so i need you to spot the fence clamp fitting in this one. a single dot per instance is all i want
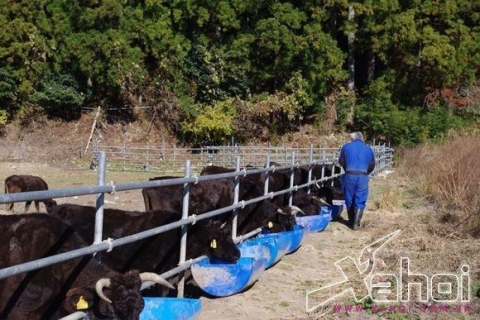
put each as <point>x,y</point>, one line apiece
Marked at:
<point>273,168</point>
<point>243,203</point>
<point>240,239</point>
<point>196,179</point>
<point>295,188</point>
<point>194,216</point>
<point>244,172</point>
<point>271,195</point>
<point>189,261</point>
<point>114,188</point>
<point>109,241</point>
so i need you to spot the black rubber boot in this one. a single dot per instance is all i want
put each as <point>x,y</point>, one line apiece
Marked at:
<point>351,215</point>
<point>357,218</point>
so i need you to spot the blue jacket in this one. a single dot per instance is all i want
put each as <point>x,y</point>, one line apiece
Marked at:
<point>357,158</point>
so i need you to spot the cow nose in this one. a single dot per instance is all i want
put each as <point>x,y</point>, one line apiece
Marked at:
<point>235,255</point>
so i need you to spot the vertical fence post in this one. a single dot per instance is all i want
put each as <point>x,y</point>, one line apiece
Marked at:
<point>385,161</point>
<point>100,201</point>
<point>323,172</point>
<point>292,177</point>
<point>183,240</point>
<point>235,199</point>
<point>334,167</point>
<point>267,175</point>
<point>310,168</point>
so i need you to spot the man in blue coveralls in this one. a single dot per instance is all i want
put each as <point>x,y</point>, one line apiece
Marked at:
<point>358,161</point>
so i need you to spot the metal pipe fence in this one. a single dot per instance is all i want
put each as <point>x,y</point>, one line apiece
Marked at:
<point>384,157</point>
<point>163,159</point>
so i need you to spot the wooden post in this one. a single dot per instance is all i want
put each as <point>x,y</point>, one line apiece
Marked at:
<point>93,128</point>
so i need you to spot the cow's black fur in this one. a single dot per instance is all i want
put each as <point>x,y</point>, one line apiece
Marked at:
<point>309,203</point>
<point>158,253</point>
<point>53,292</point>
<point>210,195</point>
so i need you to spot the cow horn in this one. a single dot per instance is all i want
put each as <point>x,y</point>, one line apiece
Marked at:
<point>223,225</point>
<point>104,282</point>
<point>316,183</point>
<point>151,276</point>
<point>280,210</point>
<point>321,200</point>
<point>296,209</point>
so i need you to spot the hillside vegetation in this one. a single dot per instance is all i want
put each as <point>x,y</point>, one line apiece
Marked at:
<point>211,71</point>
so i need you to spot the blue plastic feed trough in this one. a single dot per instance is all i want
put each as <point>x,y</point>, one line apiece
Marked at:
<point>337,208</point>
<point>289,241</point>
<point>282,241</point>
<point>171,309</point>
<point>221,279</point>
<point>260,248</point>
<point>315,223</point>
<point>297,235</point>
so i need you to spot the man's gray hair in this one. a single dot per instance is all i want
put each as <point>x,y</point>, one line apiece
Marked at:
<point>356,135</point>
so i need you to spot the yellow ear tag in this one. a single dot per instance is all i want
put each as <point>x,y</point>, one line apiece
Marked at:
<point>82,304</point>
<point>270,224</point>
<point>213,244</point>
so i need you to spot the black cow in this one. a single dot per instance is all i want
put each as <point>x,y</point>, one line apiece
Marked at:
<point>335,184</point>
<point>204,196</point>
<point>308,203</point>
<point>63,288</point>
<point>210,195</point>
<point>252,186</point>
<point>158,253</point>
<point>277,180</point>
<point>25,183</point>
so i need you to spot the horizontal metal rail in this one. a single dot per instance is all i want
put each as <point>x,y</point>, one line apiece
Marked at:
<point>384,159</point>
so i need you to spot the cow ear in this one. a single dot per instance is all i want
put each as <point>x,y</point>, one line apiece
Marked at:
<point>221,227</point>
<point>79,299</point>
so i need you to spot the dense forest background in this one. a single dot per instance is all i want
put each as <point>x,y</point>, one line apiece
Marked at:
<point>402,71</point>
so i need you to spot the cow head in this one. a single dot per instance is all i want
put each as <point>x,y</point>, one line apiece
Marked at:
<point>324,195</point>
<point>220,242</point>
<point>124,301</point>
<point>284,219</point>
<point>49,205</point>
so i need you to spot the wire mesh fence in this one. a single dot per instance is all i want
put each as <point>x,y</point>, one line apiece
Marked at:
<point>172,160</point>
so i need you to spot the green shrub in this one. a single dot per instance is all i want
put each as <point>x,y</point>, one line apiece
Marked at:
<point>59,97</point>
<point>209,124</point>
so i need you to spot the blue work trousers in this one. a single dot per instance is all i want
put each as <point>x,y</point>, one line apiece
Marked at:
<point>355,190</point>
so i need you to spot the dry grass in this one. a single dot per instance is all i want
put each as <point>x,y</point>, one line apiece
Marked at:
<point>433,244</point>
<point>445,179</point>
<point>448,175</point>
<point>389,200</point>
<point>431,250</point>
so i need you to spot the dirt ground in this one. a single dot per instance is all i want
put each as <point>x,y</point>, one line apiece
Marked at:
<point>280,293</point>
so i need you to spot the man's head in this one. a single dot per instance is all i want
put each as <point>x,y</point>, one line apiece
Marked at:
<point>356,135</point>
